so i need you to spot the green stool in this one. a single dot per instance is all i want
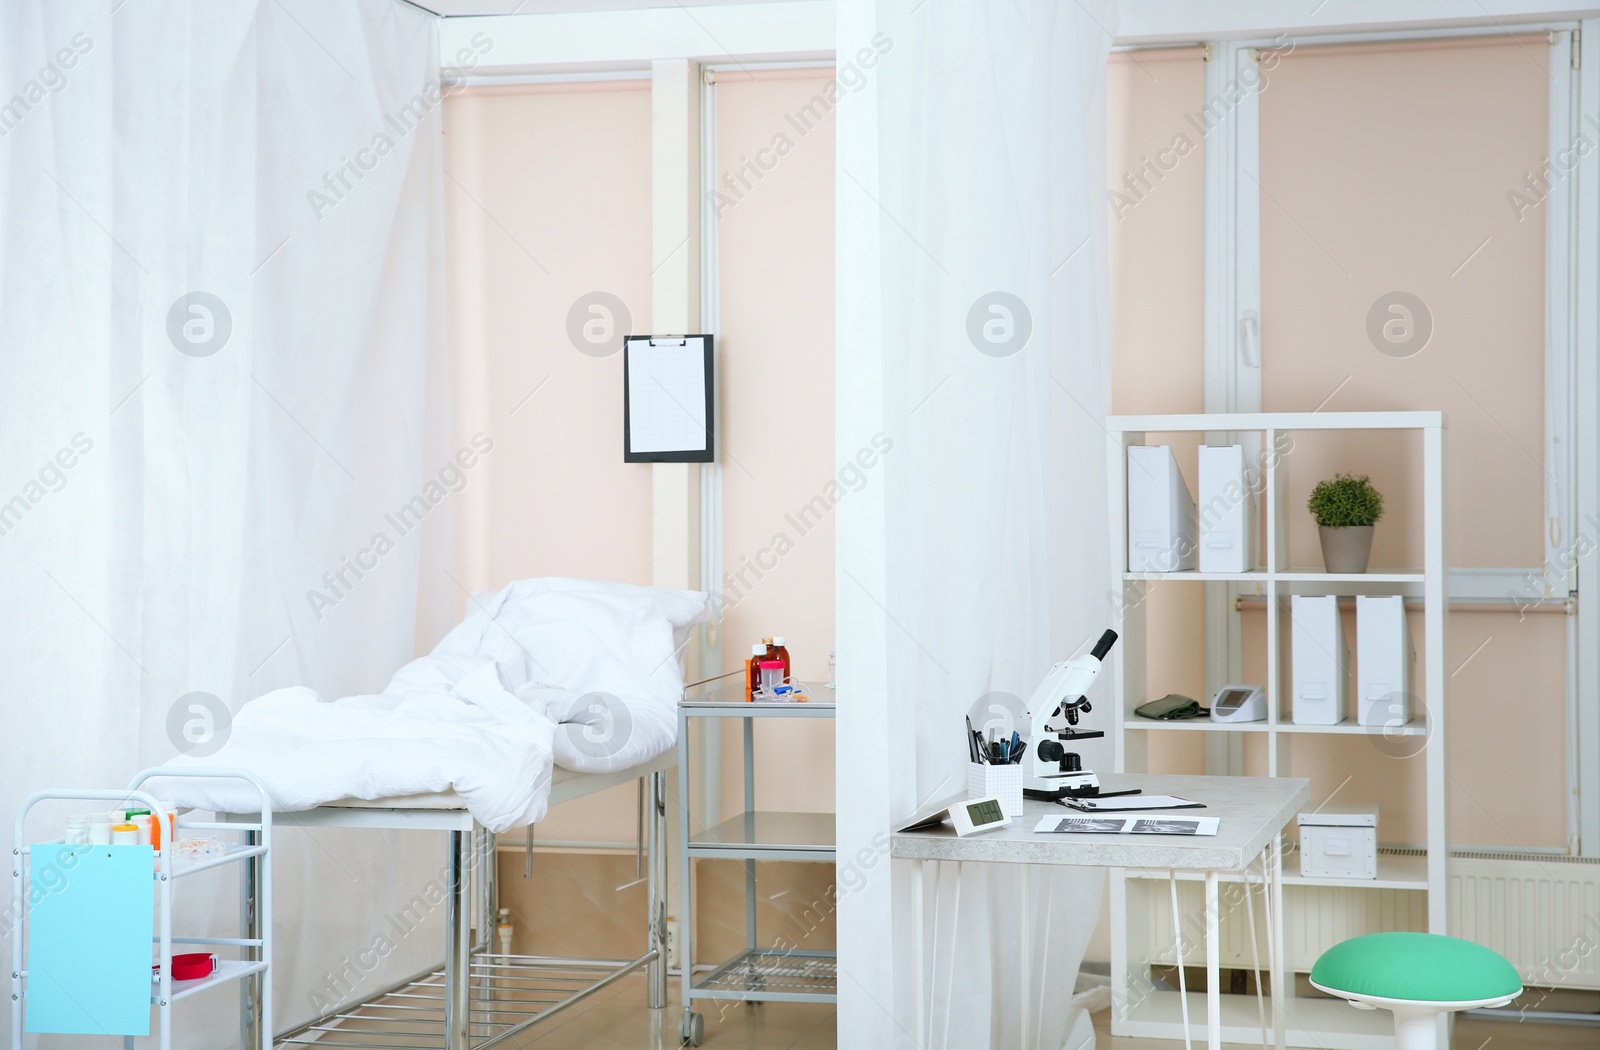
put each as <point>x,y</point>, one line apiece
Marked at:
<point>1417,977</point>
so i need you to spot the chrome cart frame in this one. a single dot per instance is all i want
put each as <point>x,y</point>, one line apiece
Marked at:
<point>252,970</point>
<point>478,998</point>
<point>757,974</point>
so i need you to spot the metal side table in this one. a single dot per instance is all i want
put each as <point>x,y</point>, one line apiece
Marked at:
<point>756,974</point>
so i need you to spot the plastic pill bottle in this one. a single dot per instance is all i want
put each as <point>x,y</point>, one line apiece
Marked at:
<point>77,829</point>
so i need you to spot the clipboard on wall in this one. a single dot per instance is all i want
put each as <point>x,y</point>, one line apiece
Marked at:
<point>668,408</point>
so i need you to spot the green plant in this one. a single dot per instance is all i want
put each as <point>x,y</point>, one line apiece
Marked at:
<point>1345,500</point>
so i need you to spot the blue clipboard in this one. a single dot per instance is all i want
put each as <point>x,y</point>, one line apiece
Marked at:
<point>91,910</point>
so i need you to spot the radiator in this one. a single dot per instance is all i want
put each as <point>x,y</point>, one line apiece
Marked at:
<point>1542,913</point>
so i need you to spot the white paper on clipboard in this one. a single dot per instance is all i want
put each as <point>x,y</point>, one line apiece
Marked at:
<point>667,395</point>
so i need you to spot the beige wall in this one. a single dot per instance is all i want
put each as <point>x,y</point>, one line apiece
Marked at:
<point>1383,169</point>
<point>547,198</point>
<point>775,179</point>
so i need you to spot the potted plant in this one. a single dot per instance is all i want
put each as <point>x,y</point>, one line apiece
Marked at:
<point>1346,506</point>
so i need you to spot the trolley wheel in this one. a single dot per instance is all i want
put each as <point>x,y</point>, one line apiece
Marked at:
<point>692,1028</point>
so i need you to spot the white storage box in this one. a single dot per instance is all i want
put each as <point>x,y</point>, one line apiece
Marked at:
<point>1161,515</point>
<point>1340,842</point>
<point>1321,660</point>
<point>1002,782</point>
<point>1226,521</point>
<point>1384,659</point>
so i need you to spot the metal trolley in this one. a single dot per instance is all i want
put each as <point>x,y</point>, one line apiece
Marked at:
<point>757,974</point>
<point>252,969</point>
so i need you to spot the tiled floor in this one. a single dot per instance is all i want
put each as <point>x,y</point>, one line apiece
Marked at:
<point>617,1019</point>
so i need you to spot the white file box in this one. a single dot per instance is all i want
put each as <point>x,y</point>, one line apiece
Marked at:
<point>1321,660</point>
<point>1161,517</point>
<point>1384,661</point>
<point>1226,519</point>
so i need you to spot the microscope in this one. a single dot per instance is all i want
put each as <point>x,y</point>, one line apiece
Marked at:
<point>1054,772</point>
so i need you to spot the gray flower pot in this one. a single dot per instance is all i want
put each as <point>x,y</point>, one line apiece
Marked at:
<point>1345,549</point>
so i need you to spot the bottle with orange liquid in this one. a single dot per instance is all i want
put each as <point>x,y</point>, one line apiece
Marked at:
<point>752,670</point>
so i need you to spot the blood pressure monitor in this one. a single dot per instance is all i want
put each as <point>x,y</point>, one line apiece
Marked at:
<point>1239,703</point>
<point>968,818</point>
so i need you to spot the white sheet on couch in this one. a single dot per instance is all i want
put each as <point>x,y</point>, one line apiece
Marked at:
<point>584,673</point>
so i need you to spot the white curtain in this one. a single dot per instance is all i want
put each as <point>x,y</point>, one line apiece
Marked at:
<point>971,188</point>
<point>221,366</point>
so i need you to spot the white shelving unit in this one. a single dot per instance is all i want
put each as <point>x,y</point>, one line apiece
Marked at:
<point>251,972</point>
<point>1140,1009</point>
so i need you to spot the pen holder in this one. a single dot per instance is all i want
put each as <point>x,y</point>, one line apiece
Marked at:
<point>1002,782</point>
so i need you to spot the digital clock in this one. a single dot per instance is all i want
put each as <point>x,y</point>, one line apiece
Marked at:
<point>968,818</point>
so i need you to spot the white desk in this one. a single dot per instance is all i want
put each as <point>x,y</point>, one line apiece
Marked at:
<point>1252,812</point>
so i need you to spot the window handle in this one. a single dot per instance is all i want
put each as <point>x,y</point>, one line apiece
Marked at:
<point>1250,338</point>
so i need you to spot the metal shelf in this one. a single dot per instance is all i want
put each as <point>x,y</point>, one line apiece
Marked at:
<point>744,709</point>
<point>761,835</point>
<point>772,976</point>
<point>756,974</point>
<point>182,867</point>
<point>228,971</point>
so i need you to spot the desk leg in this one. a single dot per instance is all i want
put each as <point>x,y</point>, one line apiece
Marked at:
<point>1213,966</point>
<point>1027,957</point>
<point>458,946</point>
<point>950,981</point>
<point>919,920</point>
<point>933,951</point>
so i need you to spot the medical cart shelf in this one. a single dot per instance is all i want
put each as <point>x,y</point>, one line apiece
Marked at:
<point>755,974</point>
<point>1137,897</point>
<point>228,971</point>
<point>787,976</point>
<point>763,835</point>
<point>184,868</point>
<point>251,974</point>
